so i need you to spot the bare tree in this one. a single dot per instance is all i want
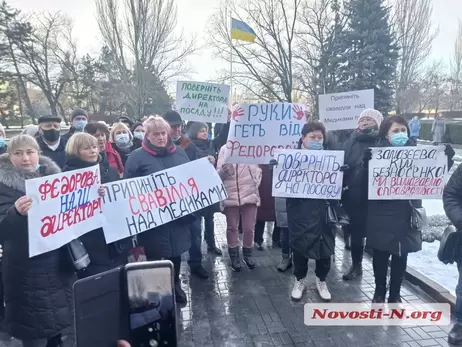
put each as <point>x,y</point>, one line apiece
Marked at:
<point>434,88</point>
<point>455,97</point>
<point>415,35</point>
<point>141,36</point>
<point>47,59</point>
<point>264,68</point>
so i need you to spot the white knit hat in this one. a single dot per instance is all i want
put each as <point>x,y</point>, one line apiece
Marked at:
<point>371,113</point>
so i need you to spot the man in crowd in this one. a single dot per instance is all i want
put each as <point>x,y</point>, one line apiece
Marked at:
<point>195,255</point>
<point>79,118</point>
<point>50,140</point>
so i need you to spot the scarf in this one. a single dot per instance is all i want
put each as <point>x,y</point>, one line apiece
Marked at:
<point>159,151</point>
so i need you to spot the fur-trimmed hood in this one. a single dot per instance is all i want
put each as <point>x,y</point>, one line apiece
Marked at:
<point>16,179</point>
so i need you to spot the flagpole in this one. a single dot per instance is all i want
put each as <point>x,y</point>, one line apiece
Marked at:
<point>231,56</point>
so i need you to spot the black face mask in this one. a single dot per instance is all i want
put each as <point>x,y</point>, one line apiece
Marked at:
<point>51,135</point>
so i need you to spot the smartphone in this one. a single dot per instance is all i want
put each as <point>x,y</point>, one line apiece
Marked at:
<point>151,304</point>
<point>97,302</point>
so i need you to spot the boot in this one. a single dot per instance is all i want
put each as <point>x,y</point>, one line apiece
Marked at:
<point>379,294</point>
<point>356,268</point>
<point>455,335</point>
<point>248,260</point>
<point>396,279</point>
<point>235,261</point>
<point>285,264</point>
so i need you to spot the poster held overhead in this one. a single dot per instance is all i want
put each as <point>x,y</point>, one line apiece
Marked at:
<point>340,111</point>
<point>202,101</point>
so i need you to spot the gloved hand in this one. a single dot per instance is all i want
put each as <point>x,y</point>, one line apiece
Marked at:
<point>367,155</point>
<point>344,168</point>
<point>449,151</point>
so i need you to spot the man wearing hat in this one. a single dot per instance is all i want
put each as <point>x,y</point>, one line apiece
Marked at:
<point>50,141</point>
<point>176,133</point>
<point>79,118</point>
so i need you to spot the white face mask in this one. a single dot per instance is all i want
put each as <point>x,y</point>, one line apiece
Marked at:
<point>122,139</point>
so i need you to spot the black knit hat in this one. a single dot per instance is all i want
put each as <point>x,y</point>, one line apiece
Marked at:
<point>78,112</point>
<point>49,118</point>
<point>173,118</point>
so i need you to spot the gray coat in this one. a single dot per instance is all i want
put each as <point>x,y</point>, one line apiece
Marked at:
<point>281,212</point>
<point>171,239</point>
<point>438,130</point>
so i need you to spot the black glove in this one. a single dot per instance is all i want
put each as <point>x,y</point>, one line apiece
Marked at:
<point>273,162</point>
<point>367,155</point>
<point>344,168</point>
<point>449,151</point>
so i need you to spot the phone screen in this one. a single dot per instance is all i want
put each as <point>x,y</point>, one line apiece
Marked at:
<point>151,307</point>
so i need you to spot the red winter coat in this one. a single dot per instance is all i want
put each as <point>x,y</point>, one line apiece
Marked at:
<point>114,159</point>
<point>266,211</point>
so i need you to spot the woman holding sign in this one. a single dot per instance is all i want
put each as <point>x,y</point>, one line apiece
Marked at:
<point>38,290</point>
<point>389,229</point>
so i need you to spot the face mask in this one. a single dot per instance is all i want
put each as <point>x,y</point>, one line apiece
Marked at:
<point>139,135</point>
<point>122,139</point>
<point>368,130</point>
<point>80,124</point>
<point>399,139</point>
<point>314,145</point>
<point>33,169</point>
<point>51,135</point>
<point>2,142</point>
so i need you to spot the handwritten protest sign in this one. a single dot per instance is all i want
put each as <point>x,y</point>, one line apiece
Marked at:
<point>202,102</point>
<point>406,173</point>
<point>257,130</point>
<point>64,207</point>
<point>308,174</point>
<point>135,205</point>
<point>341,110</point>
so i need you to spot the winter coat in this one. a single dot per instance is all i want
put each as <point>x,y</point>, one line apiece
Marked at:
<point>123,154</point>
<point>266,212</point>
<point>242,187</point>
<point>310,235</point>
<point>103,257</point>
<point>204,148</point>
<point>452,198</point>
<point>389,221</point>
<point>68,135</point>
<point>438,130</point>
<point>414,127</point>
<point>38,290</point>
<point>354,196</point>
<point>3,149</point>
<point>58,155</point>
<point>281,212</point>
<point>114,159</point>
<point>171,239</point>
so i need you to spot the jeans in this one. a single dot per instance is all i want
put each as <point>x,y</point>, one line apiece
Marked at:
<point>458,312</point>
<point>285,241</point>
<point>301,266</point>
<point>195,254</point>
<point>248,214</point>
<point>209,230</point>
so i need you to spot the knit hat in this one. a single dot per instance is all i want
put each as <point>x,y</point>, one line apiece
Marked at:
<point>30,130</point>
<point>78,112</point>
<point>371,113</point>
<point>135,125</point>
<point>195,128</point>
<point>173,118</point>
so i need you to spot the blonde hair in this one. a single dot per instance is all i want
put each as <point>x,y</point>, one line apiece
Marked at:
<point>116,127</point>
<point>154,122</point>
<point>22,141</point>
<point>78,141</point>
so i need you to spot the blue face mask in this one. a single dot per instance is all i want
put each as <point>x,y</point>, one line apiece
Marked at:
<point>34,169</point>
<point>80,124</point>
<point>399,139</point>
<point>122,139</point>
<point>2,142</point>
<point>314,145</point>
<point>139,135</point>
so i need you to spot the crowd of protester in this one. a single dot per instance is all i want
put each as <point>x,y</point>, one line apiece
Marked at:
<point>38,306</point>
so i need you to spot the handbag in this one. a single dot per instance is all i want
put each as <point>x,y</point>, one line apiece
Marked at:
<point>419,220</point>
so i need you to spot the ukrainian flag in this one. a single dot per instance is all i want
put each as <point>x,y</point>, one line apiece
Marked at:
<point>241,31</point>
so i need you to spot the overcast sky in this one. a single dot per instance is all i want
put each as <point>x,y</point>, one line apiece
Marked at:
<point>193,16</point>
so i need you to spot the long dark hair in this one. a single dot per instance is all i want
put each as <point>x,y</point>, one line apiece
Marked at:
<point>388,121</point>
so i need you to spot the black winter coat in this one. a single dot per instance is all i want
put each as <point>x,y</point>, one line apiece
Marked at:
<point>204,148</point>
<point>389,221</point>
<point>355,197</point>
<point>3,149</point>
<point>171,239</point>
<point>452,198</point>
<point>38,290</point>
<point>103,257</point>
<point>58,155</point>
<point>310,235</point>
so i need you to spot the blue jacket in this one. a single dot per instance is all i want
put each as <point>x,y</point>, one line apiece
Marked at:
<point>414,127</point>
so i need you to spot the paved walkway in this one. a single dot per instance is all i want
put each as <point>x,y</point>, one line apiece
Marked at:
<point>253,308</point>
